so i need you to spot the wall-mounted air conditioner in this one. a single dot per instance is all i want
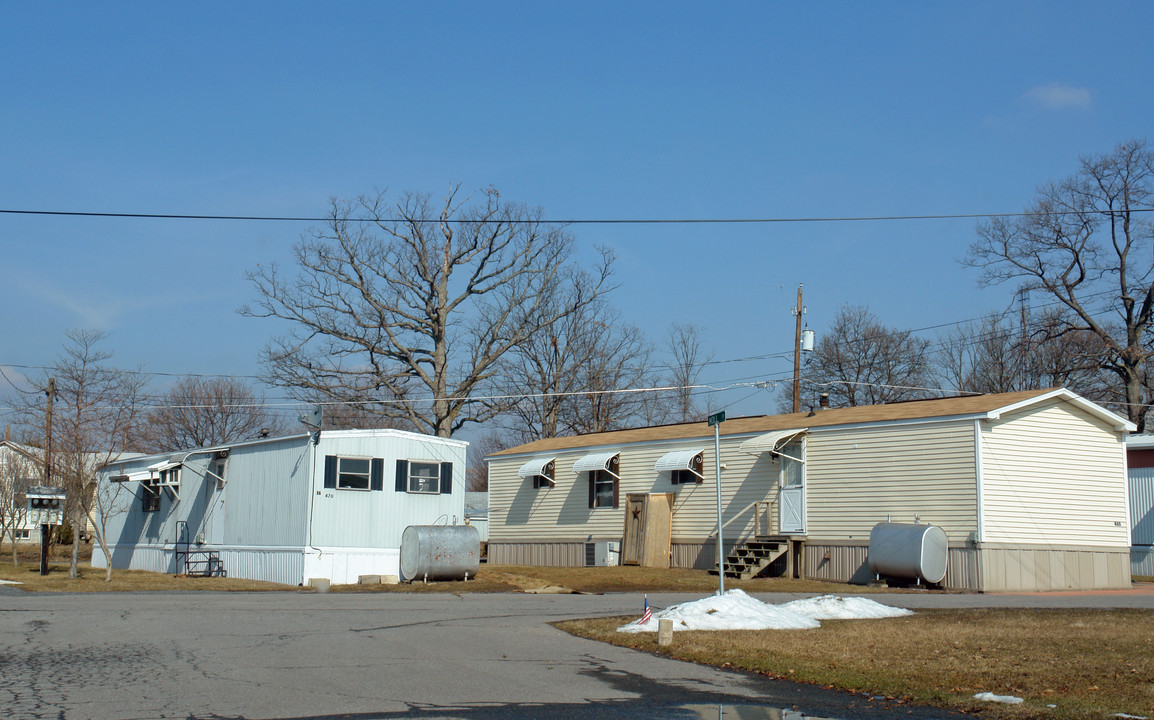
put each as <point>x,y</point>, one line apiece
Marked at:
<point>602,554</point>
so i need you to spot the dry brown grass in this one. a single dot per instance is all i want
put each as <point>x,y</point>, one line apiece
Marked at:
<point>1088,663</point>
<point>92,580</point>
<point>507,578</point>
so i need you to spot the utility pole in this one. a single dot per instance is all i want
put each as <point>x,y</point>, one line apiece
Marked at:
<point>48,433</point>
<point>45,528</point>
<point>798,312</point>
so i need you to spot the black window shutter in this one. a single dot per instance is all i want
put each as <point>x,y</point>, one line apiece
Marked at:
<point>616,487</point>
<point>699,466</point>
<point>592,488</point>
<point>377,474</point>
<point>446,478</point>
<point>402,476</point>
<point>330,471</point>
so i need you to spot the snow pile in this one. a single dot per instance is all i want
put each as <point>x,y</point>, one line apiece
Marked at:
<point>990,697</point>
<point>10,582</point>
<point>832,607</point>
<point>737,611</point>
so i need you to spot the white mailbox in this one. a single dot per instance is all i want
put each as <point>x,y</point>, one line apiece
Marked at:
<point>45,505</point>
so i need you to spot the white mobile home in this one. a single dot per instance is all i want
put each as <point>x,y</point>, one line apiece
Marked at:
<point>1028,487</point>
<point>285,509</point>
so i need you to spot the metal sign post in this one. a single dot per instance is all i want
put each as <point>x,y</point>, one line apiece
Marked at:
<point>715,420</point>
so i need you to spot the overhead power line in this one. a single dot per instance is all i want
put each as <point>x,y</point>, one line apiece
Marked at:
<point>573,221</point>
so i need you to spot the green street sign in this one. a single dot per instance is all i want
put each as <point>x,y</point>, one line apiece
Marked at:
<point>717,418</point>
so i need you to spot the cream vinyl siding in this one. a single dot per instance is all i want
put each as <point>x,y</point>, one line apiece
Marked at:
<point>520,513</point>
<point>856,478</point>
<point>1053,474</point>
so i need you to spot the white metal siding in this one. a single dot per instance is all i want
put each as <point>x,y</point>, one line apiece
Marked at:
<point>860,477</point>
<point>366,519</point>
<point>1054,474</point>
<point>1142,506</point>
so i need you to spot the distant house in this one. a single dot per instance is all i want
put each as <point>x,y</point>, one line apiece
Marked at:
<point>1029,488</point>
<point>285,509</point>
<point>1140,461</point>
<point>21,468</point>
<point>477,512</point>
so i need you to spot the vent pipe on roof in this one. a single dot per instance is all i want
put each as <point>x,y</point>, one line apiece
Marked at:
<point>823,401</point>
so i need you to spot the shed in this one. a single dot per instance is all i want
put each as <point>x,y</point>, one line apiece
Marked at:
<point>1029,487</point>
<point>328,506</point>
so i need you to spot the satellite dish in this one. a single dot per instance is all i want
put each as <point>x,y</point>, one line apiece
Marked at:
<point>312,419</point>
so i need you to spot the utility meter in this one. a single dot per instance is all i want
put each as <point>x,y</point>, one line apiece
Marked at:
<point>45,505</point>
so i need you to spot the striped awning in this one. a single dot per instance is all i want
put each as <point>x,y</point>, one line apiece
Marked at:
<point>680,460</point>
<point>537,466</point>
<point>771,442</point>
<point>597,461</point>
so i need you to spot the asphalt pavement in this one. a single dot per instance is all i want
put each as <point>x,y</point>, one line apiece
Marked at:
<point>333,655</point>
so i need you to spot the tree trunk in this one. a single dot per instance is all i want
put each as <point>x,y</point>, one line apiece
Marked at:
<point>75,561</point>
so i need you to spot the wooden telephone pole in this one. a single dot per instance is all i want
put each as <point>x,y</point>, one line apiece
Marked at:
<point>48,432</point>
<point>798,312</point>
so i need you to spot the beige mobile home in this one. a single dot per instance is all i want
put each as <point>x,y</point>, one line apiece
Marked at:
<point>1028,487</point>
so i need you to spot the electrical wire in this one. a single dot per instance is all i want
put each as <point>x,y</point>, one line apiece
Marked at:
<point>574,221</point>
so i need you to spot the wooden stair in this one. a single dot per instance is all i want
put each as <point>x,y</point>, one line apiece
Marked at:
<point>751,558</point>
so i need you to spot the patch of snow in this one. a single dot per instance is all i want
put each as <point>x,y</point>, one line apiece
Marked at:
<point>737,611</point>
<point>833,607</point>
<point>10,582</point>
<point>1136,717</point>
<point>990,697</point>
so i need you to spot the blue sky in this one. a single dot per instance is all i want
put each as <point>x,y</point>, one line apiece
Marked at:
<point>589,110</point>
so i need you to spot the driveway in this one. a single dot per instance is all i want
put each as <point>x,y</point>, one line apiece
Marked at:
<point>298,655</point>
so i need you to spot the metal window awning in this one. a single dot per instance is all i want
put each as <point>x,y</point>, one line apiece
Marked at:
<point>772,442</point>
<point>679,460</point>
<point>537,466</point>
<point>132,477</point>
<point>597,461</point>
<point>164,465</point>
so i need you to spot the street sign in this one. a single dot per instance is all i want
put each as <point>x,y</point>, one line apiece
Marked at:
<point>716,418</point>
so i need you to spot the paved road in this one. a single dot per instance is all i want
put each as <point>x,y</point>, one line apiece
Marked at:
<point>298,655</point>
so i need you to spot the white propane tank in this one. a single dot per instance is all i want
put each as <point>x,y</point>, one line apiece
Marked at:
<point>908,551</point>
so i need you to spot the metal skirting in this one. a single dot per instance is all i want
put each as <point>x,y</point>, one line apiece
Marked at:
<point>701,556</point>
<point>1002,569</point>
<point>1142,560</point>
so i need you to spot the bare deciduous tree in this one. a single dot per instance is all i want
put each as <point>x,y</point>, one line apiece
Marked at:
<point>688,360</point>
<point>859,361</point>
<point>412,304</point>
<point>568,378</point>
<point>1084,239</point>
<point>94,420</point>
<point>994,355</point>
<point>477,476</point>
<point>201,412</point>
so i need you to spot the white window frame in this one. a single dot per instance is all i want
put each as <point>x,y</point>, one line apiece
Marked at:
<point>414,480</point>
<point>341,473</point>
<point>600,478</point>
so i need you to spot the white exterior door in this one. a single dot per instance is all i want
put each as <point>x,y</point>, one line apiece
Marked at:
<point>214,506</point>
<point>791,497</point>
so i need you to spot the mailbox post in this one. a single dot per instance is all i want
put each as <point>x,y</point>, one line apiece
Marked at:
<point>45,508</point>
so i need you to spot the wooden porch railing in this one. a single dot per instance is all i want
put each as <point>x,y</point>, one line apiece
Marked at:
<point>762,518</point>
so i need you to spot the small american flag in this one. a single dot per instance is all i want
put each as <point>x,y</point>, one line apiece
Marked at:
<point>648,614</point>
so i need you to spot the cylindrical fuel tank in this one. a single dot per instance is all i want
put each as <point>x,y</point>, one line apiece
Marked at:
<point>439,552</point>
<point>909,551</point>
